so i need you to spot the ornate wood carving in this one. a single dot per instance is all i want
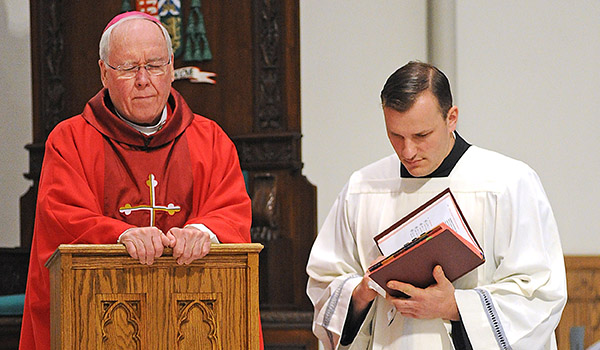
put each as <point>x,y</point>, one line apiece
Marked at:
<point>265,208</point>
<point>268,104</point>
<point>269,151</point>
<point>122,321</point>
<point>197,319</point>
<point>52,70</point>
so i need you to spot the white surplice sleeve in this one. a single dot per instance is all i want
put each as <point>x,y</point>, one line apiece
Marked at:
<point>334,271</point>
<point>519,304</point>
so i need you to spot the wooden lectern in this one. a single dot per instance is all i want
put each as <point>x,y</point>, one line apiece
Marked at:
<point>101,298</point>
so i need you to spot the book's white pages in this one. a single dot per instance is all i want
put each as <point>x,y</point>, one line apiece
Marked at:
<point>442,210</point>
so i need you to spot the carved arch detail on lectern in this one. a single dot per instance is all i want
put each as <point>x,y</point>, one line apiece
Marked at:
<point>197,321</point>
<point>121,321</point>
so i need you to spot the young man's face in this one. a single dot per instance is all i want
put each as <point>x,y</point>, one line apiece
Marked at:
<point>421,137</point>
<point>141,98</point>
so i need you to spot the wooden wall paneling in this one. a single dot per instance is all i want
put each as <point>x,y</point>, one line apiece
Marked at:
<point>583,305</point>
<point>274,148</point>
<point>283,261</point>
<point>300,338</point>
<point>291,63</point>
<point>230,101</point>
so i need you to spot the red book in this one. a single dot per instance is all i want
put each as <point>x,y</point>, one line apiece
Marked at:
<point>457,252</point>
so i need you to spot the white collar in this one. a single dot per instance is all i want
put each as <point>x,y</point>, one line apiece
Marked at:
<point>146,130</point>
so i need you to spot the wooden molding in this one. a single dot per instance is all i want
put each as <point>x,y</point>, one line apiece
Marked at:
<point>269,151</point>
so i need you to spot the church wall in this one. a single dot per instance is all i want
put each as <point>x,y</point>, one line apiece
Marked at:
<point>527,86</point>
<point>348,49</point>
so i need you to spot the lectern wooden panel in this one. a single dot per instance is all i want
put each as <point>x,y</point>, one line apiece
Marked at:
<point>101,298</point>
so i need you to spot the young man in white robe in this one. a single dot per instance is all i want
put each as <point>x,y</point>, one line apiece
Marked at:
<point>513,301</point>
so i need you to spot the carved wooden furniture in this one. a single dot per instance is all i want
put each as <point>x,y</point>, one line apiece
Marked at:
<point>101,298</point>
<point>583,305</point>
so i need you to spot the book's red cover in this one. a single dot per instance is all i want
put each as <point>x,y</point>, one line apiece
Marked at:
<point>414,263</point>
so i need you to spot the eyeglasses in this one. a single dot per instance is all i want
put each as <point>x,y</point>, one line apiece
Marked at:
<point>128,71</point>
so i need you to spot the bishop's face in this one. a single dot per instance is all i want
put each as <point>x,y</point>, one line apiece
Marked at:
<point>141,98</point>
<point>421,137</point>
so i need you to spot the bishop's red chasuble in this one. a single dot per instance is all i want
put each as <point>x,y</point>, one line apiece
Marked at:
<point>101,177</point>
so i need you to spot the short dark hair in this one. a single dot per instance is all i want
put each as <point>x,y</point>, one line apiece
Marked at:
<point>406,84</point>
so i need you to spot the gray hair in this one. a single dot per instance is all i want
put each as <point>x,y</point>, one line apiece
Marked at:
<point>105,40</point>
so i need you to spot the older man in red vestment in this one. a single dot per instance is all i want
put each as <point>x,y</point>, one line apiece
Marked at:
<point>137,167</point>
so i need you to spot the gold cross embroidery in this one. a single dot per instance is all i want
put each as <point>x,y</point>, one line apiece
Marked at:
<point>171,208</point>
